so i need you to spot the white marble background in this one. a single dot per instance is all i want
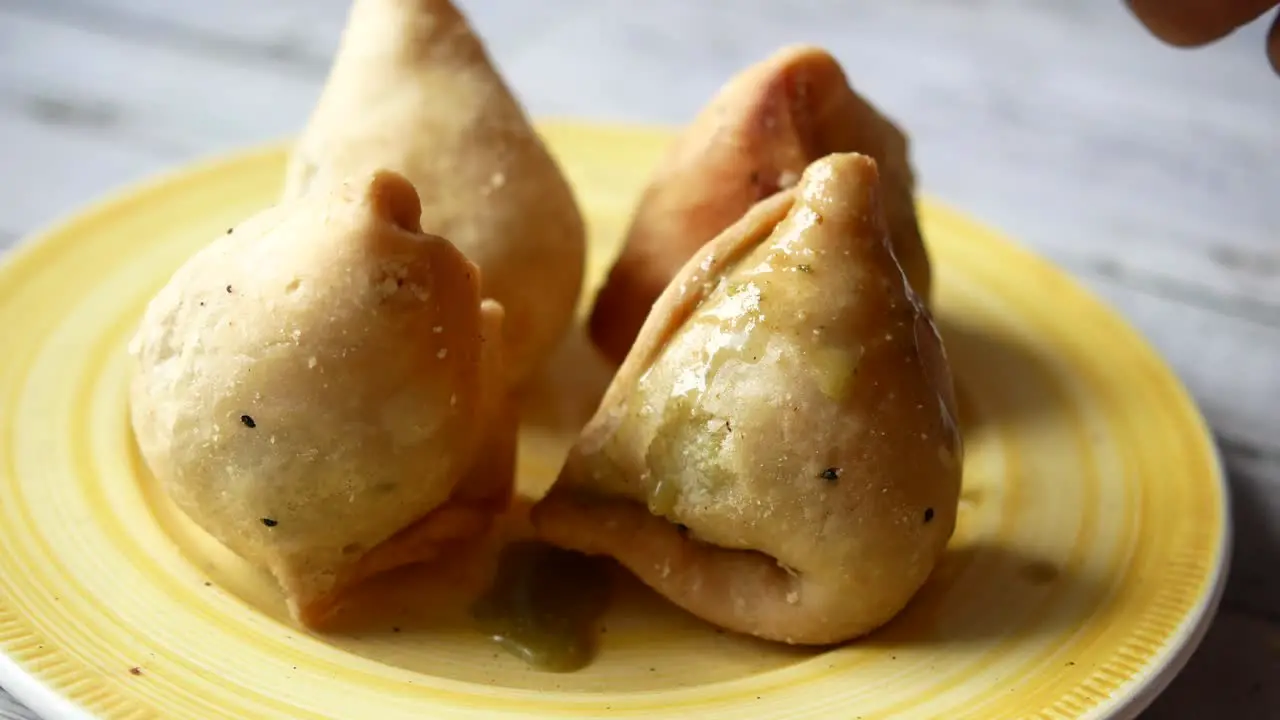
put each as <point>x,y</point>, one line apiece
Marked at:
<point>1153,174</point>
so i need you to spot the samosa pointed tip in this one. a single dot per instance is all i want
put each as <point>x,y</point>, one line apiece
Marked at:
<point>394,199</point>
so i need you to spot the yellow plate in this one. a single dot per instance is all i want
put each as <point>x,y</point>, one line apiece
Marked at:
<point>1089,556</point>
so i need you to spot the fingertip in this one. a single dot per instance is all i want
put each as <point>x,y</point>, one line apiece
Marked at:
<point>1195,23</point>
<point>1171,25</point>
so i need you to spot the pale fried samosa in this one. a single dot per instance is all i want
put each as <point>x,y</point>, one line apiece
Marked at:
<point>412,89</point>
<point>321,390</point>
<point>753,139</point>
<point>778,454</point>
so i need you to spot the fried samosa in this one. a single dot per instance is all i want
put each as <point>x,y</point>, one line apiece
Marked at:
<point>753,139</point>
<point>778,454</point>
<point>412,89</point>
<point>321,390</point>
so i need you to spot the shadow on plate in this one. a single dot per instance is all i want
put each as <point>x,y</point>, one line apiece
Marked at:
<point>999,381</point>
<point>983,592</point>
<point>978,593</point>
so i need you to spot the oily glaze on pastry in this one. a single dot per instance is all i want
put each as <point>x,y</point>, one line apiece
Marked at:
<point>412,89</point>
<point>321,390</point>
<point>753,139</point>
<point>778,453</point>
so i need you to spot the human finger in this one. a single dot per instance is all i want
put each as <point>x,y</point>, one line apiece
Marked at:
<point>1190,23</point>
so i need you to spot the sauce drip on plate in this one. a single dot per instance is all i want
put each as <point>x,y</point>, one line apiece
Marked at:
<point>545,605</point>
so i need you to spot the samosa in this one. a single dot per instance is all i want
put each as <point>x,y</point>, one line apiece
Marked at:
<point>412,89</point>
<point>778,454</point>
<point>753,139</point>
<point>321,390</point>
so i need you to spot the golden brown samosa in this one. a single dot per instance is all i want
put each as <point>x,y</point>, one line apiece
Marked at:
<point>412,89</point>
<point>321,390</point>
<point>753,139</point>
<point>778,454</point>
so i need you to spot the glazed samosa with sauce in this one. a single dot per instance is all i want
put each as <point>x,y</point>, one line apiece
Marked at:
<point>412,89</point>
<point>321,390</point>
<point>778,454</point>
<point>753,139</point>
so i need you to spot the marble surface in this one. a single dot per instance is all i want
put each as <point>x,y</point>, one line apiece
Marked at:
<point>1148,172</point>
